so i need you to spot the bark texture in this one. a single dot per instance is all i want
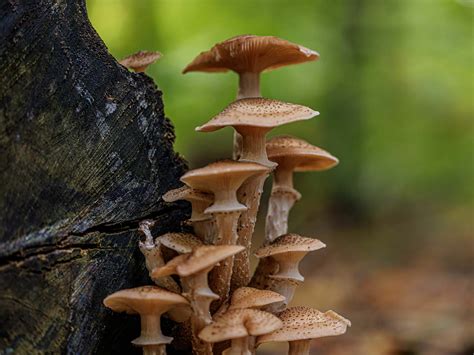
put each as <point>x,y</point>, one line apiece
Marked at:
<point>85,153</point>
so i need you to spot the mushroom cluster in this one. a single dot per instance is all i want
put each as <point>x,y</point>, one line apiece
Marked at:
<point>203,277</point>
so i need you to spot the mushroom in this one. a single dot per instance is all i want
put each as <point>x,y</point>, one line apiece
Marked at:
<point>287,250</point>
<point>139,61</point>
<point>238,325</point>
<point>248,56</point>
<point>153,256</point>
<point>193,269</point>
<point>249,297</point>
<point>292,155</point>
<point>223,179</point>
<point>180,242</point>
<point>253,118</point>
<point>302,324</point>
<point>150,302</point>
<point>203,224</point>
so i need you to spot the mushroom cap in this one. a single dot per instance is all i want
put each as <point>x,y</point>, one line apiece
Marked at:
<point>238,323</point>
<point>143,300</point>
<point>299,154</point>
<point>200,259</point>
<point>301,323</point>
<point>258,112</point>
<point>140,59</point>
<point>250,53</point>
<point>188,194</point>
<point>249,297</point>
<point>180,242</point>
<point>287,243</point>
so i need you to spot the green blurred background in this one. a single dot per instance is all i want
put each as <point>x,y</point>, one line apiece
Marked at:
<point>395,89</point>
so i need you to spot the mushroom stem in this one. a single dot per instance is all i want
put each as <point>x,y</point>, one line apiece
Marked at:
<point>279,205</point>
<point>151,330</point>
<point>253,146</point>
<point>221,275</point>
<point>239,346</point>
<point>200,297</point>
<point>205,230</point>
<point>154,350</point>
<point>299,347</point>
<point>286,288</point>
<point>249,194</point>
<point>249,85</point>
<point>288,265</point>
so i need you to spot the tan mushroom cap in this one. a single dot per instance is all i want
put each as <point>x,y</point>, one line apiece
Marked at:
<point>299,154</point>
<point>143,300</point>
<point>180,242</point>
<point>200,259</point>
<point>258,112</point>
<point>301,323</point>
<point>238,323</point>
<point>140,60</point>
<point>222,176</point>
<point>186,193</point>
<point>249,297</point>
<point>290,242</point>
<point>250,53</point>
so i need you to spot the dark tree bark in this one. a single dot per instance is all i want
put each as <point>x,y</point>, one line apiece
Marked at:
<point>85,153</point>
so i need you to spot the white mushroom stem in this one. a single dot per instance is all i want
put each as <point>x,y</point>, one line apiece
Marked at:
<point>205,230</point>
<point>279,205</point>
<point>299,347</point>
<point>154,259</point>
<point>249,86</point>
<point>286,288</point>
<point>249,194</point>
<point>221,275</point>
<point>253,145</point>
<point>200,296</point>
<point>288,264</point>
<point>239,346</point>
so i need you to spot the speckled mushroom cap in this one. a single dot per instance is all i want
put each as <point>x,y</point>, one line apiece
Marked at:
<point>300,323</point>
<point>200,259</point>
<point>221,177</point>
<point>143,300</point>
<point>258,112</point>
<point>249,297</point>
<point>180,242</point>
<point>249,53</point>
<point>299,154</point>
<point>289,243</point>
<point>140,60</point>
<point>238,323</point>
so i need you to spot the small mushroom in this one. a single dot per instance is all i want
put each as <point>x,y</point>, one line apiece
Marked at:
<point>249,297</point>
<point>203,224</point>
<point>139,61</point>
<point>153,257</point>
<point>302,324</point>
<point>180,242</point>
<point>223,179</point>
<point>287,250</point>
<point>248,56</point>
<point>193,269</point>
<point>253,118</point>
<point>238,325</point>
<point>150,302</point>
<point>292,155</point>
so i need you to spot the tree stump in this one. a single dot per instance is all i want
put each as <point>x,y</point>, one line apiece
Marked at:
<point>85,154</point>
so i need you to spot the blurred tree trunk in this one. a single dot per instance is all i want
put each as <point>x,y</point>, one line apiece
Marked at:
<point>85,153</point>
